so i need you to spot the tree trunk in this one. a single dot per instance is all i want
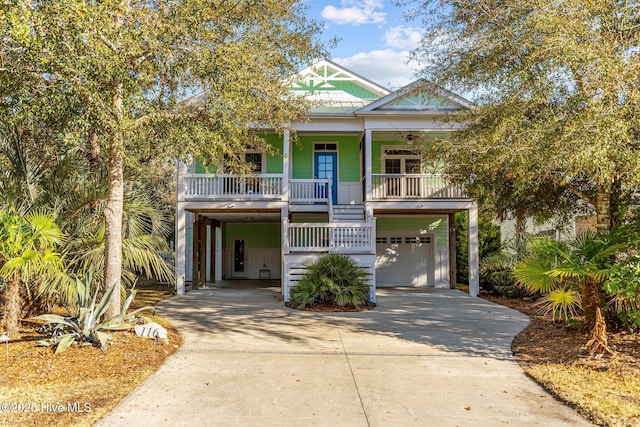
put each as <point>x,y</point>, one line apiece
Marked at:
<point>521,236</point>
<point>603,207</point>
<point>12,306</point>
<point>113,213</point>
<point>591,300</point>
<point>94,151</point>
<point>615,202</point>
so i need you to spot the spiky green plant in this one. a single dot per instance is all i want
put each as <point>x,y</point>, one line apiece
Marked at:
<point>84,322</point>
<point>333,279</point>
<point>562,270</point>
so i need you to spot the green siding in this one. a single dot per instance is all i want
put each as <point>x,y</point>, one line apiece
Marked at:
<point>274,161</point>
<point>258,235</point>
<point>302,158</point>
<point>349,159</point>
<point>433,223</point>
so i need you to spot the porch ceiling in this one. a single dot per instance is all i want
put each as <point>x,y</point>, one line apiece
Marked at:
<point>246,216</point>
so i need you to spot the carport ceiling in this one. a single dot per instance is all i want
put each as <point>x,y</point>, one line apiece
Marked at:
<point>243,216</point>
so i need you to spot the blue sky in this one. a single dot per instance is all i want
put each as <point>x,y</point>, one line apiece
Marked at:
<point>375,39</point>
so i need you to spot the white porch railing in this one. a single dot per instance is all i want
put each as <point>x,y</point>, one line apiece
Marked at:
<point>309,191</point>
<point>414,186</point>
<point>330,237</point>
<point>228,186</point>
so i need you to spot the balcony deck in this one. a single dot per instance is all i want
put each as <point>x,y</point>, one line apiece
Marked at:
<point>392,187</point>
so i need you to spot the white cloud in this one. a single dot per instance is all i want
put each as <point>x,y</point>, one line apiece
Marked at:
<point>402,37</point>
<point>387,67</point>
<point>355,12</point>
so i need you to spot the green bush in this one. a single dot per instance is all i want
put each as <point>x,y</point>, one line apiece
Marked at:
<point>332,280</point>
<point>623,292</point>
<point>496,275</point>
<point>488,242</point>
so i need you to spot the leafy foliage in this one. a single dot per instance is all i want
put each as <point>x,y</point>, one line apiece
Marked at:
<point>332,279</point>
<point>623,291</point>
<point>488,242</point>
<point>28,261</point>
<point>557,89</point>
<point>85,323</point>
<point>562,270</point>
<point>116,76</point>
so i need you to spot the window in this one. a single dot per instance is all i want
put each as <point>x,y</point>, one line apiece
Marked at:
<point>381,240</point>
<point>321,146</point>
<point>255,161</point>
<point>396,240</point>
<point>402,160</point>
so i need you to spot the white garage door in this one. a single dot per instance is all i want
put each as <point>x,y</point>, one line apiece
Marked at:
<point>404,259</point>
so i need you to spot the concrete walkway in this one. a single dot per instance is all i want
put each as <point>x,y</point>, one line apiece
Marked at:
<point>421,358</point>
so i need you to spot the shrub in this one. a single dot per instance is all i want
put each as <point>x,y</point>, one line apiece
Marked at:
<point>333,279</point>
<point>488,242</point>
<point>623,292</point>
<point>84,322</point>
<point>496,275</point>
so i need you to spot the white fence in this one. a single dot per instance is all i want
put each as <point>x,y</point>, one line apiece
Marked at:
<point>228,186</point>
<point>330,237</point>
<point>309,191</point>
<point>414,186</point>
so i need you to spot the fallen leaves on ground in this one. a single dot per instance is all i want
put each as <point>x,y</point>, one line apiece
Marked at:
<point>605,390</point>
<point>80,385</point>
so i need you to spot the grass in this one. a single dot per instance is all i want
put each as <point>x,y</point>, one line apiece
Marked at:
<point>82,384</point>
<point>604,397</point>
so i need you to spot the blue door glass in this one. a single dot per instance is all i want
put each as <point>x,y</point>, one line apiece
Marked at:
<point>326,168</point>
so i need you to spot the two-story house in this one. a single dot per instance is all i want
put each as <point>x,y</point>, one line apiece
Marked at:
<point>354,183</point>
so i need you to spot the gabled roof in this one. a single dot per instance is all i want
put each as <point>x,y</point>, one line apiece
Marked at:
<point>419,96</point>
<point>334,89</point>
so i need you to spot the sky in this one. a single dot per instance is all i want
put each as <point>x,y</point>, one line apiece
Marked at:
<point>374,38</point>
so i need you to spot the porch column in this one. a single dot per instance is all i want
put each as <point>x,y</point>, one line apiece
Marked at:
<point>368,161</point>
<point>212,258</point>
<point>284,251</point>
<point>202,258</point>
<point>286,172</point>
<point>474,279</point>
<point>181,247</point>
<point>453,279</point>
<point>195,273</point>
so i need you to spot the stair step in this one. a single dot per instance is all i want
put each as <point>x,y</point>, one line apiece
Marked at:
<point>348,213</point>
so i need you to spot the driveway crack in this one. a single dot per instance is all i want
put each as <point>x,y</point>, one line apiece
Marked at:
<point>355,383</point>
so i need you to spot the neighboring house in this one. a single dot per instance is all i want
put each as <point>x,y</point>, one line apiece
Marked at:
<point>354,183</point>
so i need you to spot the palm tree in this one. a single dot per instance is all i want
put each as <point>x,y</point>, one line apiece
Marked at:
<point>27,256</point>
<point>68,186</point>
<point>571,274</point>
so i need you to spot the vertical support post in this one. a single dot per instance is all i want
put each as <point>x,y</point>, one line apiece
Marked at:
<point>453,275</point>
<point>286,165</point>
<point>284,251</point>
<point>202,258</point>
<point>474,278</point>
<point>368,162</point>
<point>212,260</point>
<point>181,248</point>
<point>195,273</point>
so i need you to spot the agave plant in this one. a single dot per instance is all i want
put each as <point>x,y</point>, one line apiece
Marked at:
<point>85,322</point>
<point>332,279</point>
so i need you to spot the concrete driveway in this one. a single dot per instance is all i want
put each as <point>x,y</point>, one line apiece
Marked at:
<point>421,358</point>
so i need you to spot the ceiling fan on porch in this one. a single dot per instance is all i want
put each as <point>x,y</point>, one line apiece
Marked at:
<point>412,137</point>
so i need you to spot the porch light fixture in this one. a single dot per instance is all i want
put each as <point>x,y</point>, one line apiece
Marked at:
<point>410,138</point>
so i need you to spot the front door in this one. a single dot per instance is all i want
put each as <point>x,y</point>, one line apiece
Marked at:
<point>326,168</point>
<point>239,257</point>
